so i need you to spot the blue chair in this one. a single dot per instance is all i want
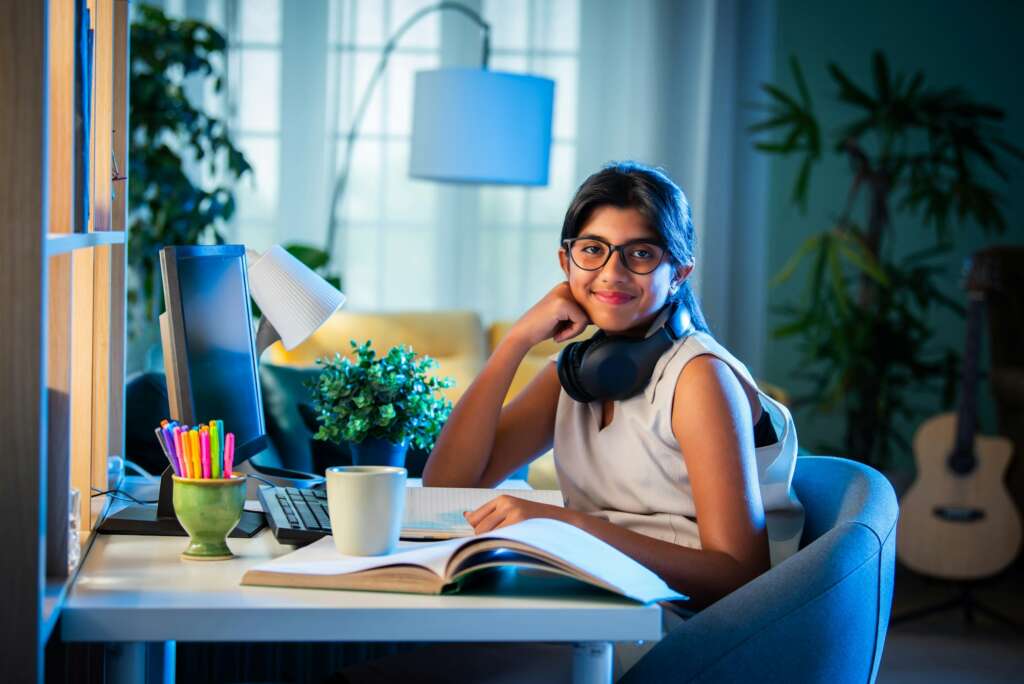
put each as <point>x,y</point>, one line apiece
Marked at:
<point>819,616</point>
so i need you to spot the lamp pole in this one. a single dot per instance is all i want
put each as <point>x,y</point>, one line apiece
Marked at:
<point>342,179</point>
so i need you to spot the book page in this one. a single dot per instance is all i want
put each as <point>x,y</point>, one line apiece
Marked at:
<point>585,552</point>
<point>436,512</point>
<point>322,558</point>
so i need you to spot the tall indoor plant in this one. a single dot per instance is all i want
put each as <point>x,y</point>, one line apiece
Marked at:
<point>929,154</point>
<point>172,141</point>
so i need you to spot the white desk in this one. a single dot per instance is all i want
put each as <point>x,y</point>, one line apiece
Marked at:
<point>136,589</point>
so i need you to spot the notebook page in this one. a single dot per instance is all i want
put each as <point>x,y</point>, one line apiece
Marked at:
<point>438,510</point>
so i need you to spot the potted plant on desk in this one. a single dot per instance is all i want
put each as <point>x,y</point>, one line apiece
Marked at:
<point>379,405</point>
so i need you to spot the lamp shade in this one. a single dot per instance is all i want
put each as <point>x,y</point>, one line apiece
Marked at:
<point>480,126</point>
<point>294,299</point>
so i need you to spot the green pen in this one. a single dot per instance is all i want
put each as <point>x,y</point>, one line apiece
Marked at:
<point>220,447</point>
<point>215,467</point>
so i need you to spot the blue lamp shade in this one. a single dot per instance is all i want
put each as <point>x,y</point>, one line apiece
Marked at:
<point>479,126</point>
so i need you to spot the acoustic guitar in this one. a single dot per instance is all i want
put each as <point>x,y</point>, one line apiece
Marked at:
<point>957,520</point>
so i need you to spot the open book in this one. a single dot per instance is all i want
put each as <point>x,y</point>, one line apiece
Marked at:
<point>438,567</point>
<point>436,512</point>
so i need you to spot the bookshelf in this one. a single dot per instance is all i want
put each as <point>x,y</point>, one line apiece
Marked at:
<point>62,298</point>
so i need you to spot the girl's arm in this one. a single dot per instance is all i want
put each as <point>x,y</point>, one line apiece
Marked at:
<point>711,421</point>
<point>481,443</point>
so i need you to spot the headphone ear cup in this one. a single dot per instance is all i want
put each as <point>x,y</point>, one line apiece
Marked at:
<point>568,369</point>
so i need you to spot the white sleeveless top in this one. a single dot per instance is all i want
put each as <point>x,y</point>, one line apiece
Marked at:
<point>632,473</point>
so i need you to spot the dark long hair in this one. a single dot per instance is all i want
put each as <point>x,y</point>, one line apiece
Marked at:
<point>629,185</point>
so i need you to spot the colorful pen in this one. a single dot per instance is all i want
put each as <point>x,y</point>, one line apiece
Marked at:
<point>229,453</point>
<point>176,436</point>
<point>168,440</point>
<point>197,461</point>
<point>204,452</point>
<point>163,447</point>
<point>215,455</point>
<point>220,448</point>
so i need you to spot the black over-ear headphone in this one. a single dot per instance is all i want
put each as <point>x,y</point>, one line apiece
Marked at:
<point>615,367</point>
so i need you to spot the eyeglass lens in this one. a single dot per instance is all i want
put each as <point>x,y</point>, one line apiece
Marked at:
<point>639,257</point>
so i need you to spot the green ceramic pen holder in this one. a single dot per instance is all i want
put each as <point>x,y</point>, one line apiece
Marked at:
<point>209,510</point>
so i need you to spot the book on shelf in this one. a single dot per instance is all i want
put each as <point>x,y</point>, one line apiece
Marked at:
<point>537,544</point>
<point>436,512</point>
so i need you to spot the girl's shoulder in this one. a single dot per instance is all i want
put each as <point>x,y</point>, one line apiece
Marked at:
<point>669,370</point>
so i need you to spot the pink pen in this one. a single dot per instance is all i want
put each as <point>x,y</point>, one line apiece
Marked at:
<point>179,450</point>
<point>204,445</point>
<point>229,453</point>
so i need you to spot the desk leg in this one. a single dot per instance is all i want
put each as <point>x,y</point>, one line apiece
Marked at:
<point>592,662</point>
<point>139,661</point>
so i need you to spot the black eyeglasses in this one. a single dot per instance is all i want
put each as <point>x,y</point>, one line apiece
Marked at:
<point>592,253</point>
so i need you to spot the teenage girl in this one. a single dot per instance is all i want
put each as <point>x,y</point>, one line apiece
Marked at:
<point>683,464</point>
<point>678,475</point>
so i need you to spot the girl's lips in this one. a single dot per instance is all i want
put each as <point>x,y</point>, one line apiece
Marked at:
<point>614,298</point>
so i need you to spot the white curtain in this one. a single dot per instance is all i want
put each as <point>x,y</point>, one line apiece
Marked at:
<point>668,83</point>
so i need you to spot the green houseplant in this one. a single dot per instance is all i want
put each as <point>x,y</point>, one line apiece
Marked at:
<point>929,155</point>
<point>379,404</point>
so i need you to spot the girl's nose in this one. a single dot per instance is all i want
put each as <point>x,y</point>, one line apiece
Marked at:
<point>614,268</point>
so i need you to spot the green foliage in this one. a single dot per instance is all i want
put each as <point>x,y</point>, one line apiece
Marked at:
<point>167,130</point>
<point>862,323</point>
<point>389,397</point>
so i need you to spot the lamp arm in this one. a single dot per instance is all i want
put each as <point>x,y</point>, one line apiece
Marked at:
<point>341,181</point>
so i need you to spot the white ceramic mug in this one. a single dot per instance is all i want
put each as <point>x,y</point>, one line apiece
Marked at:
<point>365,505</point>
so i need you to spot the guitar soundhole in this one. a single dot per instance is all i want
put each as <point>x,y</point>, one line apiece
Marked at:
<point>958,514</point>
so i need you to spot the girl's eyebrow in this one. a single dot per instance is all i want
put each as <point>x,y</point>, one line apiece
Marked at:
<point>587,234</point>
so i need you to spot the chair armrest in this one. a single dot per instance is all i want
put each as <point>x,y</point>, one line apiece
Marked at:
<point>781,625</point>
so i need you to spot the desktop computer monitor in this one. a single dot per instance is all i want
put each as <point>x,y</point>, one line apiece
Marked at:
<point>212,373</point>
<point>209,346</point>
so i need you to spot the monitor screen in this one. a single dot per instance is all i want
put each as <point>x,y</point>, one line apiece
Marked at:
<point>218,374</point>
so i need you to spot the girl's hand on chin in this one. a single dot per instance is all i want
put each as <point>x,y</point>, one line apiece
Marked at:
<point>556,316</point>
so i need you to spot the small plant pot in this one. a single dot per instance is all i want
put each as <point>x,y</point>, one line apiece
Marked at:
<point>209,510</point>
<point>380,452</point>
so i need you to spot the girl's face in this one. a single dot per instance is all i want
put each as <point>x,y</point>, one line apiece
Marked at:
<point>614,298</point>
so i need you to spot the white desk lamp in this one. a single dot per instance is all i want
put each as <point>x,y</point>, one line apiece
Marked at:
<point>293,299</point>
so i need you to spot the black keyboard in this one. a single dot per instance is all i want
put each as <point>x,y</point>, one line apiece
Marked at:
<point>297,516</point>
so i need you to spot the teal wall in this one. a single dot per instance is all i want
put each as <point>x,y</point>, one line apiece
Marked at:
<point>955,44</point>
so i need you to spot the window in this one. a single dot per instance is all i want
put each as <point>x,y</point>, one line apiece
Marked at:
<point>297,71</point>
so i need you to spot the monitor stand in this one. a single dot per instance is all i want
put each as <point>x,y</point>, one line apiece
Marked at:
<point>160,520</point>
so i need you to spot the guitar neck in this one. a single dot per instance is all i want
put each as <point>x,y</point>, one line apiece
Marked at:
<point>967,412</point>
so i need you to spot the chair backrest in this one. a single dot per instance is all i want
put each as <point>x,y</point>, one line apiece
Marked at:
<point>837,492</point>
<point>819,616</point>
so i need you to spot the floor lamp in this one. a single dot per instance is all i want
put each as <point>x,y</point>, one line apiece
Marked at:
<point>473,126</point>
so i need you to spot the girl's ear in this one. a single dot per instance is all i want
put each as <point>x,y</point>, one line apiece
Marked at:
<point>682,272</point>
<point>563,261</point>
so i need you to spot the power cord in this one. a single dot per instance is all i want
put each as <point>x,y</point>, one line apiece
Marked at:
<point>119,494</point>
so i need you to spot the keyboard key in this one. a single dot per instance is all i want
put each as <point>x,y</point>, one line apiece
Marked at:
<point>308,519</point>
<point>322,517</point>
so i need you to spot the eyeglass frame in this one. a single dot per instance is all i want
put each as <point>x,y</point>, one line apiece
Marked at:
<point>568,242</point>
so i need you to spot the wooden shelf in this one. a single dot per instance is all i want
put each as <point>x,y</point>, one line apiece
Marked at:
<point>61,243</point>
<point>55,589</point>
<point>54,593</point>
